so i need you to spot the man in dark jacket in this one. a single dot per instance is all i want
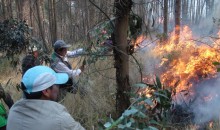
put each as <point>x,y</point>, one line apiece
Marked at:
<point>30,60</point>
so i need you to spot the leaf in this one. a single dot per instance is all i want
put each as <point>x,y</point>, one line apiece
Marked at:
<point>108,124</point>
<point>218,69</point>
<point>161,95</point>
<point>130,112</point>
<point>216,63</point>
<point>111,120</point>
<point>119,120</point>
<point>158,100</point>
<point>158,82</point>
<point>132,120</point>
<point>148,101</point>
<point>142,115</point>
<point>151,128</point>
<point>140,85</point>
<point>140,99</point>
<point>154,122</point>
<point>120,126</point>
<point>128,124</point>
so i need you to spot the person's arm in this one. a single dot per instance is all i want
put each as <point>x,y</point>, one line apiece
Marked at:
<point>74,53</point>
<point>62,68</point>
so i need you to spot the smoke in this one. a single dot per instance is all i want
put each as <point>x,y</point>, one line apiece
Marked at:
<point>206,107</point>
<point>203,99</point>
<point>209,25</point>
<point>201,102</point>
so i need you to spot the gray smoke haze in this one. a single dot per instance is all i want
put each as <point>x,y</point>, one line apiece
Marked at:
<point>209,25</point>
<point>206,107</point>
<point>206,104</point>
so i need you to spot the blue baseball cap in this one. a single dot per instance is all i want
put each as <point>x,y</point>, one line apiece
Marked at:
<point>40,78</point>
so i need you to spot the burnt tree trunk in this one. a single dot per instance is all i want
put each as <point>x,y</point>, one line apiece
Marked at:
<point>177,20</point>
<point>122,11</point>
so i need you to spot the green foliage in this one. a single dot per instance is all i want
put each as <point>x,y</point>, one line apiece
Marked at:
<point>97,36</point>
<point>13,37</point>
<point>149,111</point>
<point>217,65</point>
<point>101,32</point>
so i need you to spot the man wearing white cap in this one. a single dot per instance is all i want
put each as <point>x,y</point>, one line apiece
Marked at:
<point>39,111</point>
<point>30,60</point>
<point>60,64</point>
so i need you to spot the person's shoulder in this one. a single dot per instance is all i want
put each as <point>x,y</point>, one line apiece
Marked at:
<point>68,122</point>
<point>55,107</point>
<point>17,104</point>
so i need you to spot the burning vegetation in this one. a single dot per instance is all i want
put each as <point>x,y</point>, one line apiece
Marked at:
<point>187,62</point>
<point>189,69</point>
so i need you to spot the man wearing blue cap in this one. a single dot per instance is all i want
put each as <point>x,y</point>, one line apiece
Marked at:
<point>39,111</point>
<point>60,63</point>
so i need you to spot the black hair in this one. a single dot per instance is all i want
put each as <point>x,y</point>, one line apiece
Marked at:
<point>34,95</point>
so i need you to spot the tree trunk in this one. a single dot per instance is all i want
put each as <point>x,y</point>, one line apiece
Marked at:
<point>9,13</point>
<point>10,9</point>
<point>62,21</point>
<point>177,20</point>
<point>52,21</point>
<point>39,19</point>
<point>165,13</point>
<point>123,8</point>
<point>3,9</point>
<point>19,9</point>
<point>31,15</point>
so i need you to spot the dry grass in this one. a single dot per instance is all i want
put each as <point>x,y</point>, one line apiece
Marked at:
<point>95,102</point>
<point>9,78</point>
<point>96,99</point>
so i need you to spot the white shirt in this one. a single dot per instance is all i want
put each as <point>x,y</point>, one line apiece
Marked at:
<point>60,67</point>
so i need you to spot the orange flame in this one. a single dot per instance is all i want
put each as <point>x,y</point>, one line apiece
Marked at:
<point>138,41</point>
<point>187,62</point>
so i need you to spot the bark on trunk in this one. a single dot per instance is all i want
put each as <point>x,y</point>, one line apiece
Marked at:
<point>123,8</point>
<point>39,19</point>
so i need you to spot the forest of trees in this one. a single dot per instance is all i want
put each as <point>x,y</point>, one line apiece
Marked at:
<point>87,23</point>
<point>71,20</point>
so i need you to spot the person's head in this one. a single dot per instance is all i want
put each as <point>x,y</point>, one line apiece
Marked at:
<point>34,51</point>
<point>41,82</point>
<point>60,47</point>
